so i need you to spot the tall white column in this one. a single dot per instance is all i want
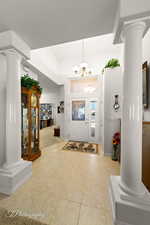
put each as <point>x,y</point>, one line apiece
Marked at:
<point>14,171</point>
<point>131,134</point>
<point>13,108</point>
<point>129,197</point>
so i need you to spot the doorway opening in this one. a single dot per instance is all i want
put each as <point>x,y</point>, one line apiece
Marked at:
<point>48,116</point>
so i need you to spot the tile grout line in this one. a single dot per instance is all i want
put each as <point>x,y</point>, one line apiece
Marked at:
<point>79,214</point>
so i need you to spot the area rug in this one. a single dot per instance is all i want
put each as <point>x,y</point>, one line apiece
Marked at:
<point>11,217</point>
<point>81,147</point>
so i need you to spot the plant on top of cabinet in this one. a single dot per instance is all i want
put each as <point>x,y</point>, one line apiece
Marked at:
<point>29,83</point>
<point>112,63</point>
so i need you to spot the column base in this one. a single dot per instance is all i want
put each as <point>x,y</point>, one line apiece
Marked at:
<point>14,176</point>
<point>128,210</point>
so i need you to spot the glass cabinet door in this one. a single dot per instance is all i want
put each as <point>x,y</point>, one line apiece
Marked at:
<point>24,124</point>
<point>30,124</point>
<point>34,100</point>
<point>34,124</point>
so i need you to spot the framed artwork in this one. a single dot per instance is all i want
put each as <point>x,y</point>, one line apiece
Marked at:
<point>78,110</point>
<point>58,109</point>
<point>145,84</point>
<point>62,106</point>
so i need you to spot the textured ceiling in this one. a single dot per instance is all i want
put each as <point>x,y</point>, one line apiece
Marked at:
<point>44,23</point>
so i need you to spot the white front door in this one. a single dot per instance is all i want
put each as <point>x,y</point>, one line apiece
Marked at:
<point>83,120</point>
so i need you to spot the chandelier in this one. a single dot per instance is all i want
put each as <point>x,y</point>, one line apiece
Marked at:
<point>83,69</point>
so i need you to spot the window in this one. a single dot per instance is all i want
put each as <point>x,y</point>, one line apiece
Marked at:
<point>78,110</point>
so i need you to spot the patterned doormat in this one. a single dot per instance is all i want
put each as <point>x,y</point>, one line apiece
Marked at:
<point>78,146</point>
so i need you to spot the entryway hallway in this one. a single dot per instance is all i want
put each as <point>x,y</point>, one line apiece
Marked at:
<point>66,188</point>
<point>47,137</point>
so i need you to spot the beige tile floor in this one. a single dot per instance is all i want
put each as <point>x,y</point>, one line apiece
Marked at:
<point>66,188</point>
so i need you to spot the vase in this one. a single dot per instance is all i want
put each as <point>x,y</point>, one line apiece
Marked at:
<point>115,153</point>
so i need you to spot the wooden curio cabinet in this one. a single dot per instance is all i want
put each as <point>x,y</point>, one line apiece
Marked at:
<point>30,123</point>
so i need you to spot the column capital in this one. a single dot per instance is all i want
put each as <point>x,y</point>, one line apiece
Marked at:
<point>130,13</point>
<point>10,40</point>
<point>13,52</point>
<point>138,25</point>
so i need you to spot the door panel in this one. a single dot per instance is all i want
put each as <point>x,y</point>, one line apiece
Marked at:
<point>79,121</point>
<point>79,131</point>
<point>83,125</point>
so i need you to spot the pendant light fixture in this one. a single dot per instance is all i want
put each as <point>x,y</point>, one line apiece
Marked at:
<point>83,69</point>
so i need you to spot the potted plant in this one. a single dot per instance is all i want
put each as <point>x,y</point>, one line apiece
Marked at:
<point>112,63</point>
<point>29,83</point>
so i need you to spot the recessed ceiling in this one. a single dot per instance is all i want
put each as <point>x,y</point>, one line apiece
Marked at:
<point>44,23</point>
<point>92,46</point>
<point>61,59</point>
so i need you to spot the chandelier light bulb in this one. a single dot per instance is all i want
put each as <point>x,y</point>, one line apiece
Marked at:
<point>89,71</point>
<point>83,65</point>
<point>76,69</point>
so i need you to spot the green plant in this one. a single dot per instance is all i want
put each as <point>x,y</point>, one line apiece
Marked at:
<point>112,63</point>
<point>28,82</point>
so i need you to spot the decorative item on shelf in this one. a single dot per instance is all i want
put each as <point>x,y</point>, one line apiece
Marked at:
<point>116,106</point>
<point>29,83</point>
<point>116,147</point>
<point>112,63</point>
<point>83,69</point>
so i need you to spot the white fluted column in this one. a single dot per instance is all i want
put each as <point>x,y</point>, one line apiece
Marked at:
<point>13,108</point>
<point>131,134</point>
<point>14,171</point>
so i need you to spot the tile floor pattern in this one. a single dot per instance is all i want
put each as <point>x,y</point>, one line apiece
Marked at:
<point>66,188</point>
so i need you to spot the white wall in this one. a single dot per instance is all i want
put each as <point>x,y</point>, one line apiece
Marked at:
<point>27,71</point>
<point>50,91</point>
<point>146,47</point>
<point>146,57</point>
<point>46,62</point>
<point>3,79</point>
<point>60,117</point>
<point>50,94</point>
<point>111,121</point>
